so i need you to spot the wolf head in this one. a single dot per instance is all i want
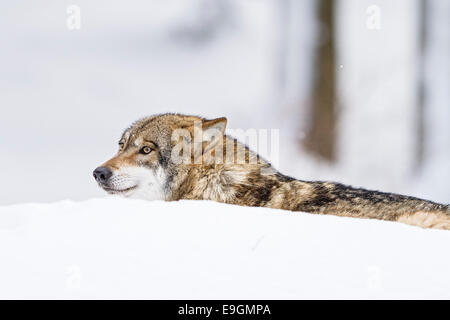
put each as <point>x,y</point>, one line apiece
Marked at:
<point>154,149</point>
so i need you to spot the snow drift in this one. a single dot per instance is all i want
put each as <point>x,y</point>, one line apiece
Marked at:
<point>121,248</point>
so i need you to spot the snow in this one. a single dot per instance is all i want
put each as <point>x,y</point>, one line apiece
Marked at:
<point>121,248</point>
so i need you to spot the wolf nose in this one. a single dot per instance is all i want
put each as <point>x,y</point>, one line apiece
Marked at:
<point>102,174</point>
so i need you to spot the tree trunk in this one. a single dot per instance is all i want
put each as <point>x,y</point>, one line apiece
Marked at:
<point>321,136</point>
<point>422,85</point>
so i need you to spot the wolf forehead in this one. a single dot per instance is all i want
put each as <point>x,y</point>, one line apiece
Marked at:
<point>158,127</point>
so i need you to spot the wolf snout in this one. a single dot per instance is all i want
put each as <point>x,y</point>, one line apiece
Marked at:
<point>102,174</point>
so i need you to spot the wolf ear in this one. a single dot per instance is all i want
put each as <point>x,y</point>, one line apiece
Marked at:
<point>217,124</point>
<point>198,139</point>
<point>213,131</point>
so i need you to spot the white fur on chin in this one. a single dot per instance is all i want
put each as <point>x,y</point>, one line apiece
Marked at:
<point>146,183</point>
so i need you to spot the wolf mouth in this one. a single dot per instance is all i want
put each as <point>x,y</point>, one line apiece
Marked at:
<point>118,191</point>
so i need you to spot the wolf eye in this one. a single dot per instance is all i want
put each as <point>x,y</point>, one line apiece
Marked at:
<point>145,150</point>
<point>121,145</point>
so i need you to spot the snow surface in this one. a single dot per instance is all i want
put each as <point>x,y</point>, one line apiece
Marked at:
<point>120,248</point>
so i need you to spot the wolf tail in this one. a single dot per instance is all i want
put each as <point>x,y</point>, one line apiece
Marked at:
<point>341,200</point>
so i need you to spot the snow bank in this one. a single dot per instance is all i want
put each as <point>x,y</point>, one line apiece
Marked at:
<point>120,248</point>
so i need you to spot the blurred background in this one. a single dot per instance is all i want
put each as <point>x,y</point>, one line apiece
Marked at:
<point>360,90</point>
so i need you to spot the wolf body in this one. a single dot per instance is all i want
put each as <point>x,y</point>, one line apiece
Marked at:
<point>148,165</point>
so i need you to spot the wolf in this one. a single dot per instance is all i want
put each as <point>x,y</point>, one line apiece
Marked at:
<point>173,157</point>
